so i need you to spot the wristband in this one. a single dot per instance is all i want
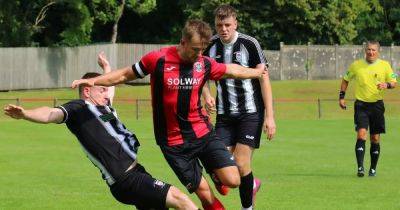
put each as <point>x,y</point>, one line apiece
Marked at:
<point>342,94</point>
<point>389,86</point>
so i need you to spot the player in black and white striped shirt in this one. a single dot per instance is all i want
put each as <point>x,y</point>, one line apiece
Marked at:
<point>110,146</point>
<point>244,107</point>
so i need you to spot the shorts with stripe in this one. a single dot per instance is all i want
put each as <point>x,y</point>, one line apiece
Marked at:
<point>137,187</point>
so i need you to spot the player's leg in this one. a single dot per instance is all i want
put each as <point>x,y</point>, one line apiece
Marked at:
<point>217,159</point>
<point>225,129</point>
<point>377,126</point>
<point>243,155</point>
<point>361,121</point>
<point>183,160</point>
<point>178,200</point>
<point>207,197</point>
<point>248,139</point>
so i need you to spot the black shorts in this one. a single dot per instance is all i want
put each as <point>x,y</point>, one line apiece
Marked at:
<point>369,115</point>
<point>243,128</point>
<point>185,159</point>
<point>137,187</point>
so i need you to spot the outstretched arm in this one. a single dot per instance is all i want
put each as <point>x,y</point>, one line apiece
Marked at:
<point>110,79</point>
<point>236,71</point>
<point>38,115</point>
<point>269,126</point>
<point>105,65</point>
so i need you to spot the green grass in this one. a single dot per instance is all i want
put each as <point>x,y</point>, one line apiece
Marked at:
<point>309,165</point>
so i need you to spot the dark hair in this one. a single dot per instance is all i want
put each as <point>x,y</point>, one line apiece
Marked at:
<point>199,27</point>
<point>225,11</point>
<point>373,42</point>
<point>88,75</point>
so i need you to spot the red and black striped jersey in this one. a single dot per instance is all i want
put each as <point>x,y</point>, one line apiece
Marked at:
<point>176,91</point>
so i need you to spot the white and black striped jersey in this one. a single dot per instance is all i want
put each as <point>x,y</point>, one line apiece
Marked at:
<point>238,96</point>
<point>107,143</point>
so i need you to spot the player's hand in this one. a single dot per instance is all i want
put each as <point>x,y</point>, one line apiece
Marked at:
<point>103,62</point>
<point>262,71</point>
<point>14,111</point>
<point>210,105</point>
<point>269,127</point>
<point>85,82</point>
<point>382,85</point>
<point>342,104</point>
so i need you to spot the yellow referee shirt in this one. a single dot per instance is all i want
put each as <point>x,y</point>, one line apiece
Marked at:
<point>367,76</point>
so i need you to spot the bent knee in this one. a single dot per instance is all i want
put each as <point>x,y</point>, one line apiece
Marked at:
<point>178,199</point>
<point>232,181</point>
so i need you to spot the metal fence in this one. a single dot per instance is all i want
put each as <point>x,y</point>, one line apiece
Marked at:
<point>284,108</point>
<point>35,68</point>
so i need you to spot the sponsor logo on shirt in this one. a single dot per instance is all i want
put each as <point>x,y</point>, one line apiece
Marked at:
<point>183,83</point>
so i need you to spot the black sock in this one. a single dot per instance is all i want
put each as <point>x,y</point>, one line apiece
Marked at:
<point>246,190</point>
<point>360,151</point>
<point>374,152</point>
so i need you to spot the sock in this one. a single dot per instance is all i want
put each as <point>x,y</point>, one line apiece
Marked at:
<point>374,152</point>
<point>246,190</point>
<point>216,205</point>
<point>360,151</point>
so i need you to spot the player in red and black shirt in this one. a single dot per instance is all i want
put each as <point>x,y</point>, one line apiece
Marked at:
<point>181,127</point>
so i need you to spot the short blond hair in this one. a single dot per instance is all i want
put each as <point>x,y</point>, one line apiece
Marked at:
<point>193,27</point>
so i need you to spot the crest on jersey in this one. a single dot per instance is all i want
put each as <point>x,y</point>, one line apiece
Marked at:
<point>197,66</point>
<point>238,56</point>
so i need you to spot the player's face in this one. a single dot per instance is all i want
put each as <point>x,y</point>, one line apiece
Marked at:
<point>98,95</point>
<point>226,28</point>
<point>371,53</point>
<point>193,48</point>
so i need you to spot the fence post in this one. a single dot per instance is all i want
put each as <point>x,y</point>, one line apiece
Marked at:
<point>137,109</point>
<point>319,109</point>
<point>54,102</point>
<point>281,46</point>
<point>391,54</point>
<point>18,102</point>
<point>308,62</point>
<point>336,62</point>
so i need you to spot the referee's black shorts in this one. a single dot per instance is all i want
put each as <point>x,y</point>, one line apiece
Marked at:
<point>369,115</point>
<point>137,187</point>
<point>185,159</point>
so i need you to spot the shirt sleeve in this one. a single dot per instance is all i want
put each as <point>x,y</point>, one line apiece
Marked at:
<point>256,55</point>
<point>390,75</point>
<point>349,74</point>
<point>217,69</point>
<point>146,65</point>
<point>70,109</point>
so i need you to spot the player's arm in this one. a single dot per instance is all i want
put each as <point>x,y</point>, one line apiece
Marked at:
<point>269,125</point>
<point>342,93</point>
<point>105,65</point>
<point>236,71</point>
<point>38,115</point>
<point>208,98</point>
<point>112,78</point>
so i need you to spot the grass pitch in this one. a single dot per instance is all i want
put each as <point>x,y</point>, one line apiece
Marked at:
<point>309,165</point>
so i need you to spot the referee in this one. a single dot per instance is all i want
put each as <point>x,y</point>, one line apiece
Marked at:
<point>372,77</point>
